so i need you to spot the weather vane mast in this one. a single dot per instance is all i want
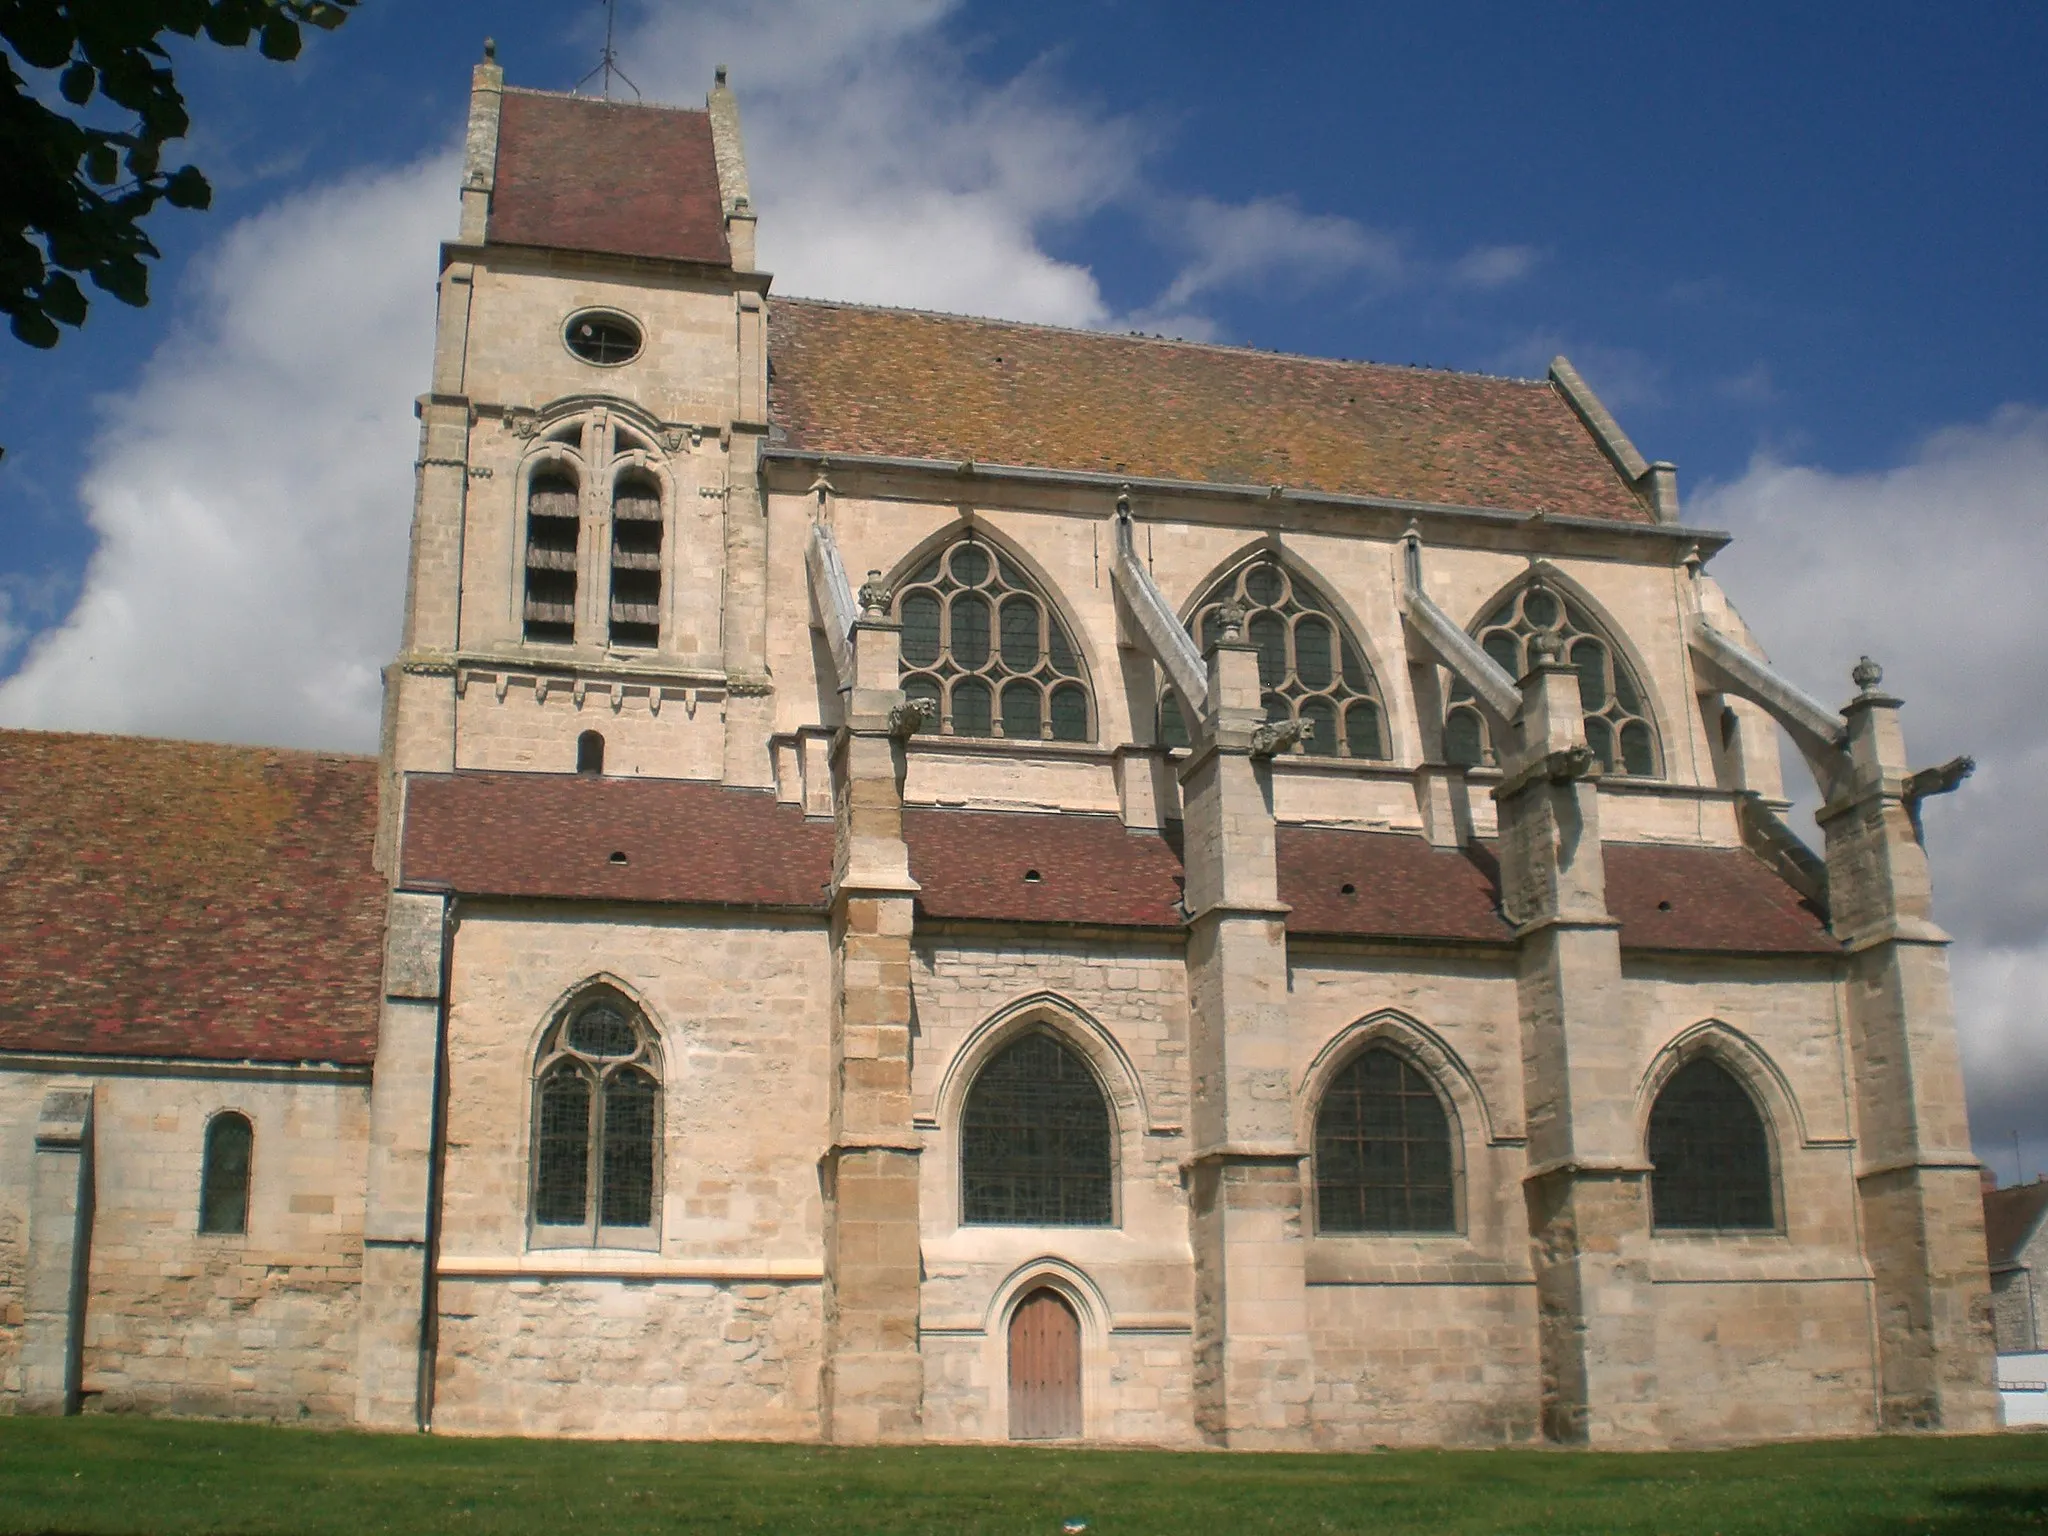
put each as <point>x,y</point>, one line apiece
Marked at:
<point>608,61</point>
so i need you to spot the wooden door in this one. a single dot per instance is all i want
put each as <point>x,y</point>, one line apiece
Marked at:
<point>1045,1369</point>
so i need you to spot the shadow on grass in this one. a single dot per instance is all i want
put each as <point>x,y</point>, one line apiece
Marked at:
<point>1996,1509</point>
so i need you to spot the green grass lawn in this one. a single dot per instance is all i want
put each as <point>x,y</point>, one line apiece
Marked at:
<point>111,1475</point>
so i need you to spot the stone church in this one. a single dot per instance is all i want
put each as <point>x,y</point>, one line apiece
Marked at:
<point>932,878</point>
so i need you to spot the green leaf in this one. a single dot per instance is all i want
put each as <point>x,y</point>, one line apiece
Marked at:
<point>228,26</point>
<point>186,188</point>
<point>76,83</point>
<point>63,301</point>
<point>33,327</point>
<point>102,165</point>
<point>280,39</point>
<point>125,278</point>
<point>43,35</point>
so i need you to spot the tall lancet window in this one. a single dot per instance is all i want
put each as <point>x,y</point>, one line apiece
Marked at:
<point>1310,667</point>
<point>597,1127</point>
<point>552,525</point>
<point>1618,726</point>
<point>983,643</point>
<point>636,561</point>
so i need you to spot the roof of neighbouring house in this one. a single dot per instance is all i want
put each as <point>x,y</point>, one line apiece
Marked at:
<point>579,174</point>
<point>183,899</point>
<point>847,379</point>
<point>2010,1217</point>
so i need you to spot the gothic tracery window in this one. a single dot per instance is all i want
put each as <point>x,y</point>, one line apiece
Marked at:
<point>224,1175</point>
<point>1383,1155</point>
<point>1035,1142</point>
<point>983,643</point>
<point>597,1125</point>
<point>1310,669</point>
<point>1710,1154</point>
<point>1618,727</point>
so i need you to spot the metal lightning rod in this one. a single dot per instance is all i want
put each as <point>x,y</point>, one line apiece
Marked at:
<point>608,60</point>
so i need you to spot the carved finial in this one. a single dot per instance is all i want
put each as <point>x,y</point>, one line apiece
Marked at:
<point>1866,675</point>
<point>1123,503</point>
<point>490,50</point>
<point>1694,561</point>
<point>874,596</point>
<point>1546,648</point>
<point>718,75</point>
<point>1230,618</point>
<point>821,485</point>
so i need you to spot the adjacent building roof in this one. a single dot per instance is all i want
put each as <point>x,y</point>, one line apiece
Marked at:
<point>852,380</point>
<point>579,174</point>
<point>668,840</point>
<point>2010,1219</point>
<point>178,899</point>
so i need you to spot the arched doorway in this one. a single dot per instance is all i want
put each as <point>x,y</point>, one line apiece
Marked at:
<point>1045,1368</point>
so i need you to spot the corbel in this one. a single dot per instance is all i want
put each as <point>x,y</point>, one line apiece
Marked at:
<point>504,681</point>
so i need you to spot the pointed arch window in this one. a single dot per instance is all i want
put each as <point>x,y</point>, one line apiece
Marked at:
<point>982,641</point>
<point>1035,1143</point>
<point>553,524</point>
<point>1710,1155</point>
<point>1618,724</point>
<point>597,1127</point>
<point>224,1175</point>
<point>1384,1160</point>
<point>1310,667</point>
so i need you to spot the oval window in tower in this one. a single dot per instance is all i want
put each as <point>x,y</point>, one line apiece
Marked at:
<point>602,336</point>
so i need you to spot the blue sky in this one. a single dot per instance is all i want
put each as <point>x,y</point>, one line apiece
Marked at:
<point>1797,248</point>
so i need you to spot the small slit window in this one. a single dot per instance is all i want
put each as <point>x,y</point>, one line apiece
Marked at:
<point>1710,1155</point>
<point>636,561</point>
<point>1035,1143</point>
<point>984,644</point>
<point>602,337</point>
<point>597,1128</point>
<point>1384,1159</point>
<point>552,528</point>
<point>224,1176</point>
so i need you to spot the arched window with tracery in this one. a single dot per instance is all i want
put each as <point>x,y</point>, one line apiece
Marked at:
<point>1618,723</point>
<point>1310,668</point>
<point>1036,1148</point>
<point>984,643</point>
<point>1384,1160</point>
<point>553,522</point>
<point>224,1175</point>
<point>1710,1154</point>
<point>597,1126</point>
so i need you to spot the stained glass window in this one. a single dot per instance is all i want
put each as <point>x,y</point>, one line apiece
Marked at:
<point>597,1131</point>
<point>1035,1140</point>
<point>1710,1154</point>
<point>1383,1160</point>
<point>224,1177</point>
<point>1618,726</point>
<point>1310,669</point>
<point>981,641</point>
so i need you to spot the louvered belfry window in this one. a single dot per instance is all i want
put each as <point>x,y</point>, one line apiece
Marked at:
<point>1035,1145</point>
<point>553,522</point>
<point>983,643</point>
<point>1710,1154</point>
<point>597,1126</point>
<point>1383,1156</point>
<point>1310,669</point>
<point>1618,727</point>
<point>636,562</point>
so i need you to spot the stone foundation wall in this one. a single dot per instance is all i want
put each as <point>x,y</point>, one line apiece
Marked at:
<point>1764,1360</point>
<point>629,1359</point>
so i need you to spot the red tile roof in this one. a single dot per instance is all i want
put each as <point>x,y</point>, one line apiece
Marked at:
<point>552,834</point>
<point>170,898</point>
<point>1714,899</point>
<point>1088,869</point>
<point>1398,886</point>
<point>848,379</point>
<point>584,175</point>
<point>2010,1217</point>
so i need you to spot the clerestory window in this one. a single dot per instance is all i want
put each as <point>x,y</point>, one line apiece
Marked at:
<point>983,643</point>
<point>1618,727</point>
<point>1710,1155</point>
<point>597,1127</point>
<point>1035,1142</point>
<point>1310,668</point>
<point>224,1175</point>
<point>1384,1161</point>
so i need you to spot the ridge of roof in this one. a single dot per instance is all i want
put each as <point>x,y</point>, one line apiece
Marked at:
<point>605,101</point>
<point>319,754</point>
<point>1230,348</point>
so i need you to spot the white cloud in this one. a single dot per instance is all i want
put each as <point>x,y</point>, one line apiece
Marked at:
<point>251,492</point>
<point>1934,568</point>
<point>1622,377</point>
<point>1488,267</point>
